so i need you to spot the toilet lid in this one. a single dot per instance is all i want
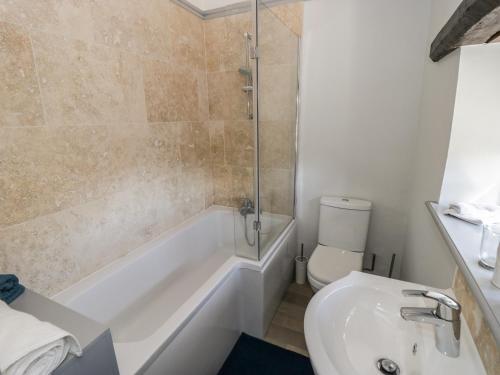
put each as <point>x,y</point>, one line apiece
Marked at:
<point>328,264</point>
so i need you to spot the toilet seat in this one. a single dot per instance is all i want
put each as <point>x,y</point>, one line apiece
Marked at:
<point>328,264</point>
<point>315,284</point>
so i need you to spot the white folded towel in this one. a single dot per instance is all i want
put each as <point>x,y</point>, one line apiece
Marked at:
<point>31,347</point>
<point>474,213</point>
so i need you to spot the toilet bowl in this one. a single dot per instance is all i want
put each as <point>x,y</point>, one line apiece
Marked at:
<point>328,264</point>
<point>343,228</point>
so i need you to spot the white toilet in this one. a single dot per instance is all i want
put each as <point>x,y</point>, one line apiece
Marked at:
<point>343,227</point>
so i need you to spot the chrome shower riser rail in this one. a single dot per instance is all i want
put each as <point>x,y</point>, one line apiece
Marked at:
<point>248,88</point>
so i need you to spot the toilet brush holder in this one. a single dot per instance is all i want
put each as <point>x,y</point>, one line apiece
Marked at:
<point>301,269</point>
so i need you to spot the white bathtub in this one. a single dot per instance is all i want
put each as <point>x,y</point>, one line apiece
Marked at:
<point>177,304</point>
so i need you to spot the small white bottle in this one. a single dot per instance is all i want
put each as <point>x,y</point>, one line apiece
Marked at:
<point>496,275</point>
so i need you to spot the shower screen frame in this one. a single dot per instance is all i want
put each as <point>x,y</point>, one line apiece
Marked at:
<point>255,58</point>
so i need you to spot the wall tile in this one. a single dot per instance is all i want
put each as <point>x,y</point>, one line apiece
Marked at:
<point>137,26</point>
<point>225,96</point>
<point>201,138</point>
<point>278,92</point>
<point>37,252</point>
<point>20,102</point>
<point>215,44</point>
<point>187,146</point>
<point>159,155</point>
<point>172,94</point>
<point>203,105</point>
<point>488,350</point>
<point>236,26</point>
<point>481,333</point>
<point>44,170</point>
<point>71,18</point>
<point>291,15</point>
<point>275,144</point>
<point>48,169</point>
<point>192,197</point>
<point>134,155</point>
<point>172,145</point>
<point>3,261</point>
<point>242,183</point>
<point>239,142</point>
<point>86,84</point>
<point>109,228</point>
<point>155,28</point>
<point>186,42</point>
<point>277,190</point>
<point>223,185</point>
<point>209,186</point>
<point>278,45</point>
<point>217,143</point>
<point>195,145</point>
<point>225,42</point>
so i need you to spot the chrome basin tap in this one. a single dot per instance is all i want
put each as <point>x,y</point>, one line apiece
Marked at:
<point>445,317</point>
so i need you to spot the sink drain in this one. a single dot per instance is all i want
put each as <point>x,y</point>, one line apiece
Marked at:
<point>387,366</point>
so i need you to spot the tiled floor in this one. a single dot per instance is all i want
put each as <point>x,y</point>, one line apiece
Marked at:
<point>287,327</point>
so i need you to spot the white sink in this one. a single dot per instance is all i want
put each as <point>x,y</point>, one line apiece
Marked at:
<point>355,321</point>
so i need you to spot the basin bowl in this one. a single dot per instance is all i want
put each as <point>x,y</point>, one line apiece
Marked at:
<point>354,322</point>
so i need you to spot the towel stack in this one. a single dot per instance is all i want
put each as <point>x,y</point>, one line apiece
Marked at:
<point>31,347</point>
<point>10,288</point>
<point>474,213</point>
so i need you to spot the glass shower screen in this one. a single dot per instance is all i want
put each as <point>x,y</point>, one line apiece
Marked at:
<point>268,75</point>
<point>276,106</point>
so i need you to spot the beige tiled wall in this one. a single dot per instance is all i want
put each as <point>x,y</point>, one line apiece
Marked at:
<point>279,50</point>
<point>104,132</point>
<point>115,125</point>
<point>485,342</point>
<point>231,133</point>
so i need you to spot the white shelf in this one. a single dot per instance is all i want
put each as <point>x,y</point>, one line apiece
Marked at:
<point>464,241</point>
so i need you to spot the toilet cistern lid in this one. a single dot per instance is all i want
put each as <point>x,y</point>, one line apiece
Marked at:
<point>329,264</point>
<point>346,203</point>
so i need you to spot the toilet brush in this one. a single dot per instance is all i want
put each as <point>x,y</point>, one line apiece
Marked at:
<point>301,267</point>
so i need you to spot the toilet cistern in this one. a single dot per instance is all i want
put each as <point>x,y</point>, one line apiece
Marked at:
<point>343,229</point>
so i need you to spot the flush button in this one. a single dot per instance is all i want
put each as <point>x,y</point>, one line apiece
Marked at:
<point>345,200</point>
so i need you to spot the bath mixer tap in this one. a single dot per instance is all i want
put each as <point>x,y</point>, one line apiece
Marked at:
<point>246,207</point>
<point>445,317</point>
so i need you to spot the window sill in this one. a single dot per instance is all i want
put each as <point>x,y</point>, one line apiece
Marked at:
<point>463,240</point>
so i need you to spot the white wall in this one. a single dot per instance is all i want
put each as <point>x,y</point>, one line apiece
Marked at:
<point>471,173</point>
<point>427,259</point>
<point>362,67</point>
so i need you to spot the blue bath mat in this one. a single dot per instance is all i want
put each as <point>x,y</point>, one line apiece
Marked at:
<point>251,356</point>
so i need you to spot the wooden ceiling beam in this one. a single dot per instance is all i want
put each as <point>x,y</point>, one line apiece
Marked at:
<point>474,22</point>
